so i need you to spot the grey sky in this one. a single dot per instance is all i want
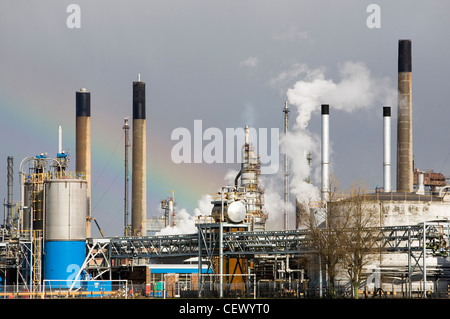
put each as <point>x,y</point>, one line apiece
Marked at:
<point>228,63</point>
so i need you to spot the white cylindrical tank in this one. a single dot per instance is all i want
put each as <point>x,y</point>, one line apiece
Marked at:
<point>65,231</point>
<point>65,209</point>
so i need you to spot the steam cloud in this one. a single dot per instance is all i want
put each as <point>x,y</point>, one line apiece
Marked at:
<point>185,222</point>
<point>356,90</point>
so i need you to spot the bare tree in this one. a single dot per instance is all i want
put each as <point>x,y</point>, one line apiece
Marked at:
<point>343,235</point>
<point>324,237</point>
<point>357,220</point>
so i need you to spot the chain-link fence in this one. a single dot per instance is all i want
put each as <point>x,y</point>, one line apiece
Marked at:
<point>244,287</point>
<point>58,289</point>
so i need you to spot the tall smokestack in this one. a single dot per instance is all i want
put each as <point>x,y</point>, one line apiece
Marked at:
<point>387,148</point>
<point>139,174</point>
<point>83,145</point>
<point>325,153</point>
<point>405,167</point>
<point>286,168</point>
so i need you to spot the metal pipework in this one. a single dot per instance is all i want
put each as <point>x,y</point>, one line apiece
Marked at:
<point>83,146</point>
<point>405,169</point>
<point>139,174</point>
<point>387,148</point>
<point>8,217</point>
<point>325,152</point>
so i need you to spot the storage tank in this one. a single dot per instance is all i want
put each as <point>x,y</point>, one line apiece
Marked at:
<point>65,230</point>
<point>33,199</point>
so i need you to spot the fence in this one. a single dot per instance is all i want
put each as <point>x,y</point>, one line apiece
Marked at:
<point>55,289</point>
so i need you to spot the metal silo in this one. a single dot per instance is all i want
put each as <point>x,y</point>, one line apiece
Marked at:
<point>65,230</point>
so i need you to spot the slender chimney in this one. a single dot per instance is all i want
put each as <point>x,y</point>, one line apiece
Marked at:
<point>59,139</point>
<point>405,169</point>
<point>139,174</point>
<point>325,153</point>
<point>83,146</point>
<point>286,168</point>
<point>387,149</point>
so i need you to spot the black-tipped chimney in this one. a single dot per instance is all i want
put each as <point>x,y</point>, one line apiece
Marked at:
<point>139,173</point>
<point>405,169</point>
<point>83,145</point>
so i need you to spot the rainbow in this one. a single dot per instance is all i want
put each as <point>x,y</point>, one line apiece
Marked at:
<point>32,127</point>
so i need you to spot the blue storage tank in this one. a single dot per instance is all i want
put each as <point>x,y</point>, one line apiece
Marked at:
<point>62,262</point>
<point>65,230</point>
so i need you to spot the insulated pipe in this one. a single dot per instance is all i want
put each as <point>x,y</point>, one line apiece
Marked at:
<point>83,146</point>
<point>139,174</point>
<point>405,169</point>
<point>387,148</point>
<point>237,178</point>
<point>325,152</point>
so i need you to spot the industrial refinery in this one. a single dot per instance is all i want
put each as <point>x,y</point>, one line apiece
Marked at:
<point>47,249</point>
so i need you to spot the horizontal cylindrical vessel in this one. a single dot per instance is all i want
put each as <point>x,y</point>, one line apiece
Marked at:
<point>233,212</point>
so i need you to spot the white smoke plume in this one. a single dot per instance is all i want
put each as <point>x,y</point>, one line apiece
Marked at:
<point>185,223</point>
<point>357,89</point>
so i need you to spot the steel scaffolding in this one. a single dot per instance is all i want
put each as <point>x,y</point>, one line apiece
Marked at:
<point>419,243</point>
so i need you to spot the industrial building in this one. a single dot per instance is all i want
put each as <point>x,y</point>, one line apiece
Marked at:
<point>47,250</point>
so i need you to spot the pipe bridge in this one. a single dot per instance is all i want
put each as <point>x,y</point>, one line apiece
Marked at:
<point>417,241</point>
